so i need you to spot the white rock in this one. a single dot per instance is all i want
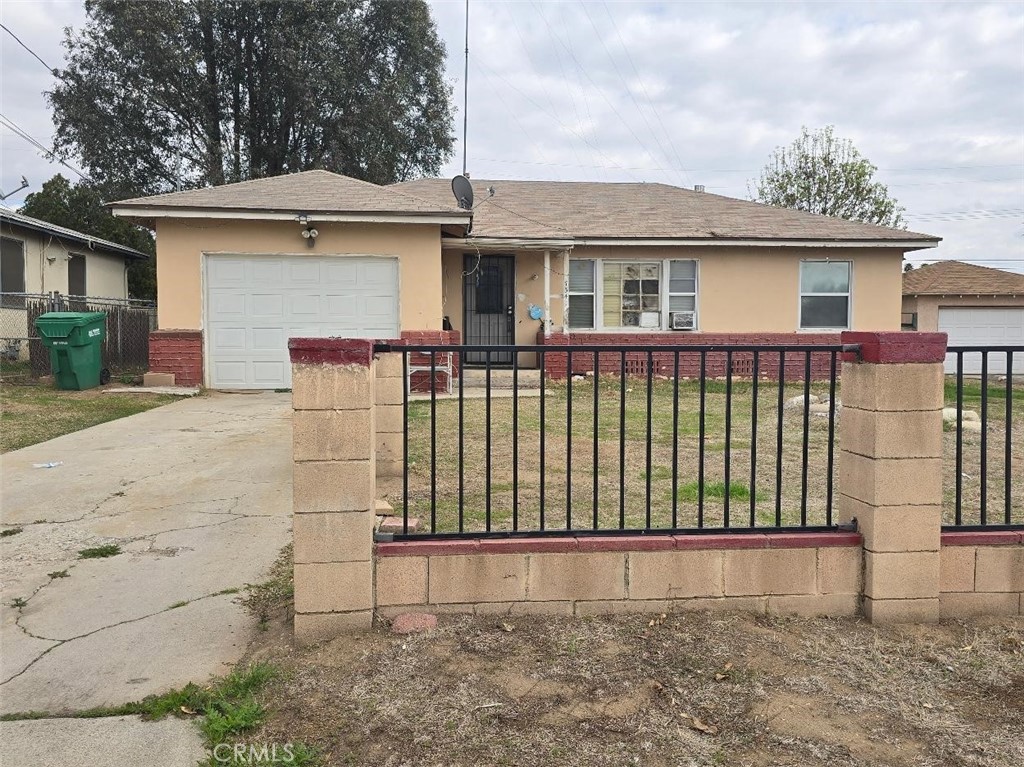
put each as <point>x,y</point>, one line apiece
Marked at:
<point>969,416</point>
<point>798,401</point>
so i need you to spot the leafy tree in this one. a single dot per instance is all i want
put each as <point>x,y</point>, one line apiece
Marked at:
<point>81,207</point>
<point>822,173</point>
<point>176,93</point>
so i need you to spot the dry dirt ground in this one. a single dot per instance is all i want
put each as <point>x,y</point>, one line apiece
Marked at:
<point>683,689</point>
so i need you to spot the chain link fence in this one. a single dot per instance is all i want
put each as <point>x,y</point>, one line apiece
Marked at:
<point>125,347</point>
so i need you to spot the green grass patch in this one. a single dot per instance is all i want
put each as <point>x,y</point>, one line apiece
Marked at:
<point>33,414</point>
<point>100,552</point>
<point>716,491</point>
<point>228,706</point>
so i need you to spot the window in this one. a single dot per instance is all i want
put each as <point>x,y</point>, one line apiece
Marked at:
<point>12,272</point>
<point>632,294</point>
<point>581,293</point>
<point>824,295</point>
<point>76,276</point>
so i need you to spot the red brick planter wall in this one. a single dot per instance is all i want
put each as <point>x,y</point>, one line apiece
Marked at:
<point>421,380</point>
<point>179,352</point>
<point>689,363</point>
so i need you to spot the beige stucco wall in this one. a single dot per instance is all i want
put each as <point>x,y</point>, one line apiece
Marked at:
<point>740,289</point>
<point>46,266</point>
<point>927,307</point>
<point>181,244</point>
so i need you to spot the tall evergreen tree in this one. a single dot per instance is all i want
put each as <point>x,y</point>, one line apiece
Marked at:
<point>170,94</point>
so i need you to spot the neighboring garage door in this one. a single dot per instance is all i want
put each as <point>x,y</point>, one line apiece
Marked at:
<point>254,304</point>
<point>983,327</point>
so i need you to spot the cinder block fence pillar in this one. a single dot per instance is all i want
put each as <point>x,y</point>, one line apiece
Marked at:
<point>890,469</point>
<point>334,485</point>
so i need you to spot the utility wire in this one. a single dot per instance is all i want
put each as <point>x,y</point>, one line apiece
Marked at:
<point>491,73</point>
<point>643,87</point>
<point>6,29</point>
<point>650,128</point>
<point>48,154</point>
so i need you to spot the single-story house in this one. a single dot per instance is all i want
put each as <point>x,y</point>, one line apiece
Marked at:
<point>973,305</point>
<point>245,266</point>
<point>38,257</point>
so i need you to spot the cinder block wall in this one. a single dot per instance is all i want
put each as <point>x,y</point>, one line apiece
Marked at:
<point>812,574</point>
<point>982,574</point>
<point>898,566</point>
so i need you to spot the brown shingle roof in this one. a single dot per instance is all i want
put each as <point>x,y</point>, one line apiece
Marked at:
<point>314,191</point>
<point>947,278</point>
<point>573,209</point>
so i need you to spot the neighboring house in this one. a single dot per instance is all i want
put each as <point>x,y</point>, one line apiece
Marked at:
<point>38,257</point>
<point>537,262</point>
<point>974,305</point>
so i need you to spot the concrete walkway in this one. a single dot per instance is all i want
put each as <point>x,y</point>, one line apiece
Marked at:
<point>198,496</point>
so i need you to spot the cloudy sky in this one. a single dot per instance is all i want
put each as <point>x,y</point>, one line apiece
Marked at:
<point>696,93</point>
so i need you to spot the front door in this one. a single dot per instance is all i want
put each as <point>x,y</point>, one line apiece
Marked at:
<point>488,295</point>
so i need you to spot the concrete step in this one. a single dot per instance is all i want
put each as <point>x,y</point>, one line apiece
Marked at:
<point>501,378</point>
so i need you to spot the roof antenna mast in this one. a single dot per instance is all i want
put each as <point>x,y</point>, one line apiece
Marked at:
<point>465,95</point>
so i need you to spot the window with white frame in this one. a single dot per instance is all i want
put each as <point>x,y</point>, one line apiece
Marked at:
<point>825,295</point>
<point>581,293</point>
<point>612,295</point>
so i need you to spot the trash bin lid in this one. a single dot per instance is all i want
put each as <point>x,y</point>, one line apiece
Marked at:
<point>60,324</point>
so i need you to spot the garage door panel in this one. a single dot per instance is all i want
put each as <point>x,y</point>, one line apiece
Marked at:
<point>342,274</point>
<point>228,338</point>
<point>983,326</point>
<point>226,304</point>
<point>267,305</point>
<point>306,272</point>
<point>249,325</point>
<point>226,271</point>
<point>270,272</point>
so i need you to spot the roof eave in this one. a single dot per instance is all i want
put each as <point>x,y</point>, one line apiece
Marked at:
<point>150,212</point>
<point>92,243</point>
<point>763,242</point>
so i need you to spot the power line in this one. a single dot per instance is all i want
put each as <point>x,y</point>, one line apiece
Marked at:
<point>34,54</point>
<point>491,73</point>
<point>48,154</point>
<point>640,111</point>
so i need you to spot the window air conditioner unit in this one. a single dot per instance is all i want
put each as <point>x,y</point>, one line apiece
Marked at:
<point>683,320</point>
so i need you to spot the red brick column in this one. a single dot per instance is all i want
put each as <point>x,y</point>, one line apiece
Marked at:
<point>178,352</point>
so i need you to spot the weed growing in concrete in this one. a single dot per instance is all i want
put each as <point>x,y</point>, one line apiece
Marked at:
<point>99,552</point>
<point>7,532</point>
<point>17,603</point>
<point>59,574</point>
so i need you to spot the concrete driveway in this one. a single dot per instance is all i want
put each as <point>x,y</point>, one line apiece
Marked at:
<point>198,496</point>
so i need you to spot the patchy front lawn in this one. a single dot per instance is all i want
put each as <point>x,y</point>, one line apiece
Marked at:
<point>684,689</point>
<point>32,414</point>
<point>757,498</point>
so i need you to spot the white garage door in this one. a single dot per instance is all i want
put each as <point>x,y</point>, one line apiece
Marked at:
<point>254,304</point>
<point>983,327</point>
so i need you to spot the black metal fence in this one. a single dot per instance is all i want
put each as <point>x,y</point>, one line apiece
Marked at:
<point>984,461</point>
<point>125,346</point>
<point>720,438</point>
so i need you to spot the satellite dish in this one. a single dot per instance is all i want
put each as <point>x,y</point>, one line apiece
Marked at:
<point>463,191</point>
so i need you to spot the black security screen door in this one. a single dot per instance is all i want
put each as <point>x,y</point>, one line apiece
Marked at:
<point>487,297</point>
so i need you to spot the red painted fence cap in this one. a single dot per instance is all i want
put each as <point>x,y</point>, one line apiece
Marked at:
<point>331,351</point>
<point>895,347</point>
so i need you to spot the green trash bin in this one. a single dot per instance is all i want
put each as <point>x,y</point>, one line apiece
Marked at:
<point>75,341</point>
